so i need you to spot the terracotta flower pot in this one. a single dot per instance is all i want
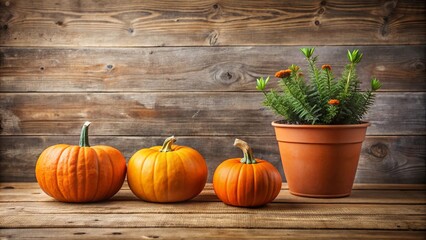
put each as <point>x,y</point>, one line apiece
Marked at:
<point>320,160</point>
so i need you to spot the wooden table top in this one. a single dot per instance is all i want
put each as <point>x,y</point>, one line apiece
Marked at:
<point>375,211</point>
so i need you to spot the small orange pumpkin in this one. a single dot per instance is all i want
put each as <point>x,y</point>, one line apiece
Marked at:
<point>246,182</point>
<point>81,173</point>
<point>170,173</point>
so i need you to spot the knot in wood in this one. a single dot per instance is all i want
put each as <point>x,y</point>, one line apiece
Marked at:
<point>384,29</point>
<point>151,236</point>
<point>213,37</point>
<point>228,73</point>
<point>227,77</point>
<point>389,7</point>
<point>379,150</point>
<point>419,66</point>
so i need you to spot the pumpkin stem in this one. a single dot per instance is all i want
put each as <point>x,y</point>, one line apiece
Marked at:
<point>84,136</point>
<point>167,145</point>
<point>248,152</point>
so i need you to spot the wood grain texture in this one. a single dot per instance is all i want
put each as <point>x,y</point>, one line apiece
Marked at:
<point>194,113</point>
<point>203,233</point>
<point>397,159</point>
<point>140,207</point>
<point>209,186</point>
<point>378,211</point>
<point>194,68</point>
<point>208,23</point>
<point>361,194</point>
<point>142,70</point>
<point>273,220</point>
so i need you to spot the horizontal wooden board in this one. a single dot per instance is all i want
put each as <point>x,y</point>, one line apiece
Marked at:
<point>140,207</point>
<point>194,68</point>
<point>211,23</point>
<point>284,186</point>
<point>396,195</point>
<point>270,221</point>
<point>194,113</point>
<point>203,233</point>
<point>372,211</point>
<point>396,159</point>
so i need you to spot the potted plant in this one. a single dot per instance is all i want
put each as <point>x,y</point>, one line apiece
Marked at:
<point>322,131</point>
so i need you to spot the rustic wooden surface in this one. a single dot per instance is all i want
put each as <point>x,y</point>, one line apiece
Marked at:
<point>383,159</point>
<point>371,212</point>
<point>188,69</point>
<point>211,22</point>
<point>191,113</point>
<point>143,70</point>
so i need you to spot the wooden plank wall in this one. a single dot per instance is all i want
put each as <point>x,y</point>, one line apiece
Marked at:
<point>144,70</point>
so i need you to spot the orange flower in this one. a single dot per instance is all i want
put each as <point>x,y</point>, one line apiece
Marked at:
<point>283,73</point>
<point>334,102</point>
<point>326,66</point>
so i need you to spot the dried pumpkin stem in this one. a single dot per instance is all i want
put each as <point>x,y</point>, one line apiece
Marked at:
<point>84,136</point>
<point>167,145</point>
<point>248,152</point>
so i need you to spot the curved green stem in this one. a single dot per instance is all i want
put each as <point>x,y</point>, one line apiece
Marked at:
<point>348,80</point>
<point>84,136</point>
<point>329,80</point>
<point>167,145</point>
<point>248,152</point>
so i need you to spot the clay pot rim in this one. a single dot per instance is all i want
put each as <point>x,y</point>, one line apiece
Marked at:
<point>287,125</point>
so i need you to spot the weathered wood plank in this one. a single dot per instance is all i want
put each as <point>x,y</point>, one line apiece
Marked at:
<point>139,207</point>
<point>269,221</point>
<point>383,159</point>
<point>208,22</point>
<point>393,159</point>
<point>284,186</point>
<point>358,196</point>
<point>194,113</point>
<point>203,233</point>
<point>193,68</point>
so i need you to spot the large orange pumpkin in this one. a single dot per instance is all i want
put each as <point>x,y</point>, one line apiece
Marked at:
<point>246,182</point>
<point>81,173</point>
<point>170,173</point>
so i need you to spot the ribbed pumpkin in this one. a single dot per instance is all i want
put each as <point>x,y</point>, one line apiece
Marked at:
<point>81,173</point>
<point>168,173</point>
<point>246,182</point>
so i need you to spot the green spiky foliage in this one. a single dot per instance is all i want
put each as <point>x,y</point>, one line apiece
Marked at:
<point>324,99</point>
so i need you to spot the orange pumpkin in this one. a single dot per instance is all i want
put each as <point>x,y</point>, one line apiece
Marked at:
<point>170,173</point>
<point>246,182</point>
<point>81,173</point>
